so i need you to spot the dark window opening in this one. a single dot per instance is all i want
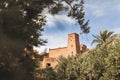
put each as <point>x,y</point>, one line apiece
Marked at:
<point>48,64</point>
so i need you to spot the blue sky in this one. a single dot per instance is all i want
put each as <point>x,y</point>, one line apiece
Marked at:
<point>103,14</point>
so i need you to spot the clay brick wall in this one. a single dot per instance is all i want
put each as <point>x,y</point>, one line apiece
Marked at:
<point>72,48</point>
<point>48,60</point>
<point>56,53</point>
<point>83,48</point>
<point>73,44</point>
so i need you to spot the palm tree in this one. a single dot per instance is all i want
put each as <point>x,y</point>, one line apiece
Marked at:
<point>103,37</point>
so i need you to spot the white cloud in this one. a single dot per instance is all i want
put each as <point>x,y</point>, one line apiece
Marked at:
<point>54,41</point>
<point>98,8</point>
<point>116,30</point>
<point>95,10</point>
<point>118,7</point>
<point>102,7</point>
<point>52,19</point>
<point>57,39</point>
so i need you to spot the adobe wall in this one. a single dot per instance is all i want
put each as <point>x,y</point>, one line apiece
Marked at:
<point>72,48</point>
<point>48,60</point>
<point>83,48</point>
<point>73,44</point>
<point>56,53</point>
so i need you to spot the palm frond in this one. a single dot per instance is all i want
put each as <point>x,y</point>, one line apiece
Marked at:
<point>102,37</point>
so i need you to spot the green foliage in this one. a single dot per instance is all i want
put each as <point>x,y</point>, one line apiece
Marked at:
<point>61,68</point>
<point>100,63</point>
<point>46,74</point>
<point>21,25</point>
<point>69,69</point>
<point>16,25</point>
<point>13,67</point>
<point>104,36</point>
<point>26,20</point>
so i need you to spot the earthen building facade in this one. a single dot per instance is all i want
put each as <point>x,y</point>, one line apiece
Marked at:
<point>73,47</point>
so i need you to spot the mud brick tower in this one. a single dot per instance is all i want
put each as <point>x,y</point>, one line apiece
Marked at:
<point>73,47</point>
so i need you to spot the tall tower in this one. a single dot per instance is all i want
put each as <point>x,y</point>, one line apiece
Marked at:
<point>73,44</point>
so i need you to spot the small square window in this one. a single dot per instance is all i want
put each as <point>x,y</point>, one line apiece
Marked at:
<point>48,64</point>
